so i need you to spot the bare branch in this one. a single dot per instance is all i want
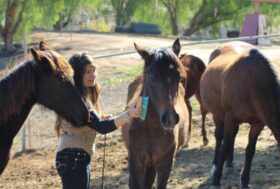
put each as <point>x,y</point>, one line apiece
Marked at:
<point>19,19</point>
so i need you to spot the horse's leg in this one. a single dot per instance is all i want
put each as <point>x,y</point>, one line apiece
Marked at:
<point>219,135</point>
<point>250,152</point>
<point>229,161</point>
<point>274,127</point>
<point>137,170</point>
<point>150,176</point>
<point>164,169</point>
<point>190,121</point>
<point>203,112</point>
<point>6,142</point>
<point>229,125</point>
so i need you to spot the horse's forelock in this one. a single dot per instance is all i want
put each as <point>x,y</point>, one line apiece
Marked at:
<point>62,65</point>
<point>165,54</point>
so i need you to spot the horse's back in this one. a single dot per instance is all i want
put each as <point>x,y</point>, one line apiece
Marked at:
<point>237,47</point>
<point>194,68</point>
<point>236,81</point>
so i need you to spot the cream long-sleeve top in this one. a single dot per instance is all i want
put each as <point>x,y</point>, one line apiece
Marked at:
<point>84,137</point>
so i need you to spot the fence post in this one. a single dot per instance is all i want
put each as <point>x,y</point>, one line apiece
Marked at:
<point>23,133</point>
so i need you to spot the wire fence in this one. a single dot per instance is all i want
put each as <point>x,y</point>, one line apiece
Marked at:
<point>194,43</point>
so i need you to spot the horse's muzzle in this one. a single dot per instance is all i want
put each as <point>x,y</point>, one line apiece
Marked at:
<point>169,119</point>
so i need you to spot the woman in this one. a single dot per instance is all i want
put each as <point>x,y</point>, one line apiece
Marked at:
<point>76,145</point>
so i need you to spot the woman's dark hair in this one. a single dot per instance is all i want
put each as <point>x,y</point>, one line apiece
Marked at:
<point>78,63</point>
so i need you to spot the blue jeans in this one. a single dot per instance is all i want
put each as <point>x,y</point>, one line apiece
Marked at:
<point>73,166</point>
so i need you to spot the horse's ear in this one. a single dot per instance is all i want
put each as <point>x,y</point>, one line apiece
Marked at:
<point>43,46</point>
<point>42,60</point>
<point>176,47</point>
<point>36,55</point>
<point>143,53</point>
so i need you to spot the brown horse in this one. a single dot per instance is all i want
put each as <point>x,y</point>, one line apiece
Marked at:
<point>239,85</point>
<point>194,68</point>
<point>46,80</point>
<point>152,143</point>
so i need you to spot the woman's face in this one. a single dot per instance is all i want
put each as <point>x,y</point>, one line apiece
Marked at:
<point>89,76</point>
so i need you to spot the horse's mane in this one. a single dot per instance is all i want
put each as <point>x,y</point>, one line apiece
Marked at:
<point>164,56</point>
<point>15,89</point>
<point>256,56</point>
<point>135,89</point>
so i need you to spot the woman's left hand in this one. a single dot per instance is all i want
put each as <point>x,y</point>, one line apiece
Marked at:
<point>134,109</point>
<point>106,116</point>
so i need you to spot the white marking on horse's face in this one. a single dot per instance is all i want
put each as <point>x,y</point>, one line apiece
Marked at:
<point>168,80</point>
<point>170,97</point>
<point>171,66</point>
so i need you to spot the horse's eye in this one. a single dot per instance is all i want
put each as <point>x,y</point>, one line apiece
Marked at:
<point>168,80</point>
<point>63,78</point>
<point>181,78</point>
<point>152,77</point>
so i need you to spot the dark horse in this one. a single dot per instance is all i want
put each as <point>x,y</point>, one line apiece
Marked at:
<point>239,85</point>
<point>46,80</point>
<point>194,68</point>
<point>152,143</point>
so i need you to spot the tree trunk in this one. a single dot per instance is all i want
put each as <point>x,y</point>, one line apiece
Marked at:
<point>196,20</point>
<point>63,21</point>
<point>172,10</point>
<point>8,30</point>
<point>174,25</point>
<point>8,41</point>
<point>11,22</point>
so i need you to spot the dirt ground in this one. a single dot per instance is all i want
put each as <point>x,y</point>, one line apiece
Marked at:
<point>35,168</point>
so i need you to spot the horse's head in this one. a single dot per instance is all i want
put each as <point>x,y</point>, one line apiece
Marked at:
<point>55,86</point>
<point>162,74</point>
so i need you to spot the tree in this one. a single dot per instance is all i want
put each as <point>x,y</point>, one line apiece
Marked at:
<point>65,16</point>
<point>210,13</point>
<point>13,18</point>
<point>173,9</point>
<point>124,10</point>
<point>17,16</point>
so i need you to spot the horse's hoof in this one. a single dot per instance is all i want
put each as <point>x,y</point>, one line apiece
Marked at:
<point>248,187</point>
<point>229,170</point>
<point>205,142</point>
<point>214,187</point>
<point>212,171</point>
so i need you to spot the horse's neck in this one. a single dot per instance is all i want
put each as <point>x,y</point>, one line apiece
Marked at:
<point>12,125</point>
<point>17,92</point>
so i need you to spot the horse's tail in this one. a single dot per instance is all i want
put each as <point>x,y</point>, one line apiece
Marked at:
<point>257,57</point>
<point>214,54</point>
<point>200,64</point>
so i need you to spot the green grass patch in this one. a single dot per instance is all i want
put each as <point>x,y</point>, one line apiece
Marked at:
<point>17,141</point>
<point>195,106</point>
<point>123,75</point>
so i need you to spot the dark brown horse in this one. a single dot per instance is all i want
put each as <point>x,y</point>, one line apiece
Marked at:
<point>239,85</point>
<point>152,143</point>
<point>195,68</point>
<point>46,80</point>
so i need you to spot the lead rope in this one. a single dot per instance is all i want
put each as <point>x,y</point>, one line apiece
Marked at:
<point>103,168</point>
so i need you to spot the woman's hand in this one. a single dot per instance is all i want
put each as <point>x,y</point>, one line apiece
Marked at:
<point>106,116</point>
<point>134,109</point>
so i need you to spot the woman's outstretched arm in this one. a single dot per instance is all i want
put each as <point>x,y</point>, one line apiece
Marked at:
<point>104,126</point>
